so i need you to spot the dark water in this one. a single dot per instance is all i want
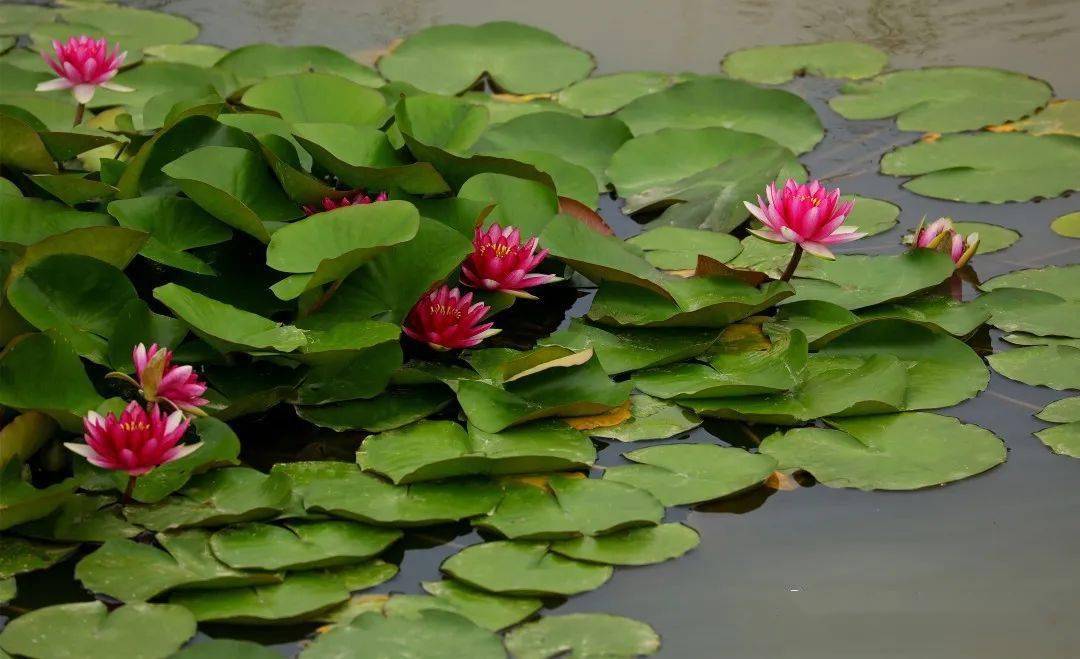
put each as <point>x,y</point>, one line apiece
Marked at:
<point>981,568</point>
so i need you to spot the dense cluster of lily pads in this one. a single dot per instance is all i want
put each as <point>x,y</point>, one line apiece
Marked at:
<point>322,244</point>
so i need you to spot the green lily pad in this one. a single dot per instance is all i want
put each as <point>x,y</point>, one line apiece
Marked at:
<point>705,102</point>
<point>447,59</point>
<point>1067,225</point>
<point>589,143</point>
<point>527,205</point>
<point>301,97</point>
<point>300,545</point>
<point>1059,280</point>
<point>676,248</point>
<point>941,370</point>
<point>679,474</point>
<point>19,19</point>
<point>992,238</point>
<point>43,372</point>
<point>21,502</point>
<point>8,590</point>
<point>175,225</point>
<point>424,633</point>
<point>24,435</point>
<point>570,507</point>
<point>73,189</point>
<point>571,391</point>
<point>1057,367</point>
<point>872,216</point>
<point>22,148</point>
<point>235,186</point>
<point>629,349</point>
<point>582,635</point>
<point>87,630</point>
<point>656,165</point>
<point>20,555</point>
<point>640,546</point>
<point>134,28</point>
<point>514,567</point>
<point>944,99</point>
<point>605,94</point>
<point>989,167</point>
<point>196,54</point>
<point>264,60</point>
<point>1031,311</point>
<point>888,452</point>
<point>301,596</point>
<point>227,324</point>
<point>387,411</point>
<point>28,220</point>
<point>363,497</point>
<point>1059,117</point>
<point>775,65</point>
<point>133,572</point>
<point>493,612</point>
<point>732,372</point>
<point>1065,410</point>
<point>856,281</point>
<point>216,498</point>
<point>431,450</point>
<point>650,419</point>
<point>1063,439</point>
<point>1021,339</point>
<point>82,518</point>
<point>698,302</point>
<point>226,648</point>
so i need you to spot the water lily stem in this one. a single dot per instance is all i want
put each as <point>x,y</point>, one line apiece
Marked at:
<point>80,110</point>
<point>127,492</point>
<point>792,264</point>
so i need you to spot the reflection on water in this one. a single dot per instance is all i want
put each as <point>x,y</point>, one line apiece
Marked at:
<point>984,567</point>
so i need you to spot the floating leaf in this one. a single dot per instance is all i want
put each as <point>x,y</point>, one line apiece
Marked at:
<point>1031,311</point>
<point>774,65</point>
<point>629,349</point>
<point>448,59</point>
<point>640,546</point>
<point>300,545</point>
<point>992,238</point>
<point>226,648</point>
<point>607,93</point>
<point>658,164</point>
<point>132,571</point>
<point>699,302</point>
<point>1059,117</point>
<point>431,450</point>
<point>888,452</point>
<point>569,507</point>
<point>196,54</point>
<point>1062,439</point>
<point>87,630</point>
<point>943,99</point>
<point>1067,225</point>
<point>24,435</point>
<point>512,567</point>
<point>1057,367</point>
<point>228,324</point>
<point>857,281</point>
<point>20,555</point>
<point>582,635</point>
<point>1059,280</point>
<point>872,216</point>
<point>8,590</point>
<point>675,248</point>
<point>492,612</point>
<point>679,474</point>
<point>1065,410</point>
<point>21,502</point>
<point>393,409</point>
<point>650,419</point>
<point>989,167</point>
<point>423,633</point>
<point>355,495</point>
<point>298,98</point>
<point>216,498</point>
<point>779,115</point>
<point>263,60</point>
<point>175,225</point>
<point>82,518</point>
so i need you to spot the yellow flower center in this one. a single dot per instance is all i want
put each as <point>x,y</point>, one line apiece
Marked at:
<point>445,310</point>
<point>130,426</point>
<point>813,200</point>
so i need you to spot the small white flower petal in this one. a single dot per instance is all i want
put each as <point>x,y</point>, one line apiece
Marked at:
<point>53,85</point>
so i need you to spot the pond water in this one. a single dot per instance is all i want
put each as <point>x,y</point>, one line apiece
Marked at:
<point>983,567</point>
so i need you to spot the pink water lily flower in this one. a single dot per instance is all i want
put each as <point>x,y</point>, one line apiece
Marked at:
<point>84,64</point>
<point>809,216</point>
<point>941,235</point>
<point>165,381</point>
<point>137,442</point>
<point>360,197</point>
<point>447,320</point>
<point>500,262</point>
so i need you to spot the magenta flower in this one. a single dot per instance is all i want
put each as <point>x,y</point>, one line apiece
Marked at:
<point>447,320</point>
<point>500,262</point>
<point>942,236</point>
<point>136,442</point>
<point>84,64</point>
<point>161,380</point>
<point>329,204</point>
<point>807,215</point>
